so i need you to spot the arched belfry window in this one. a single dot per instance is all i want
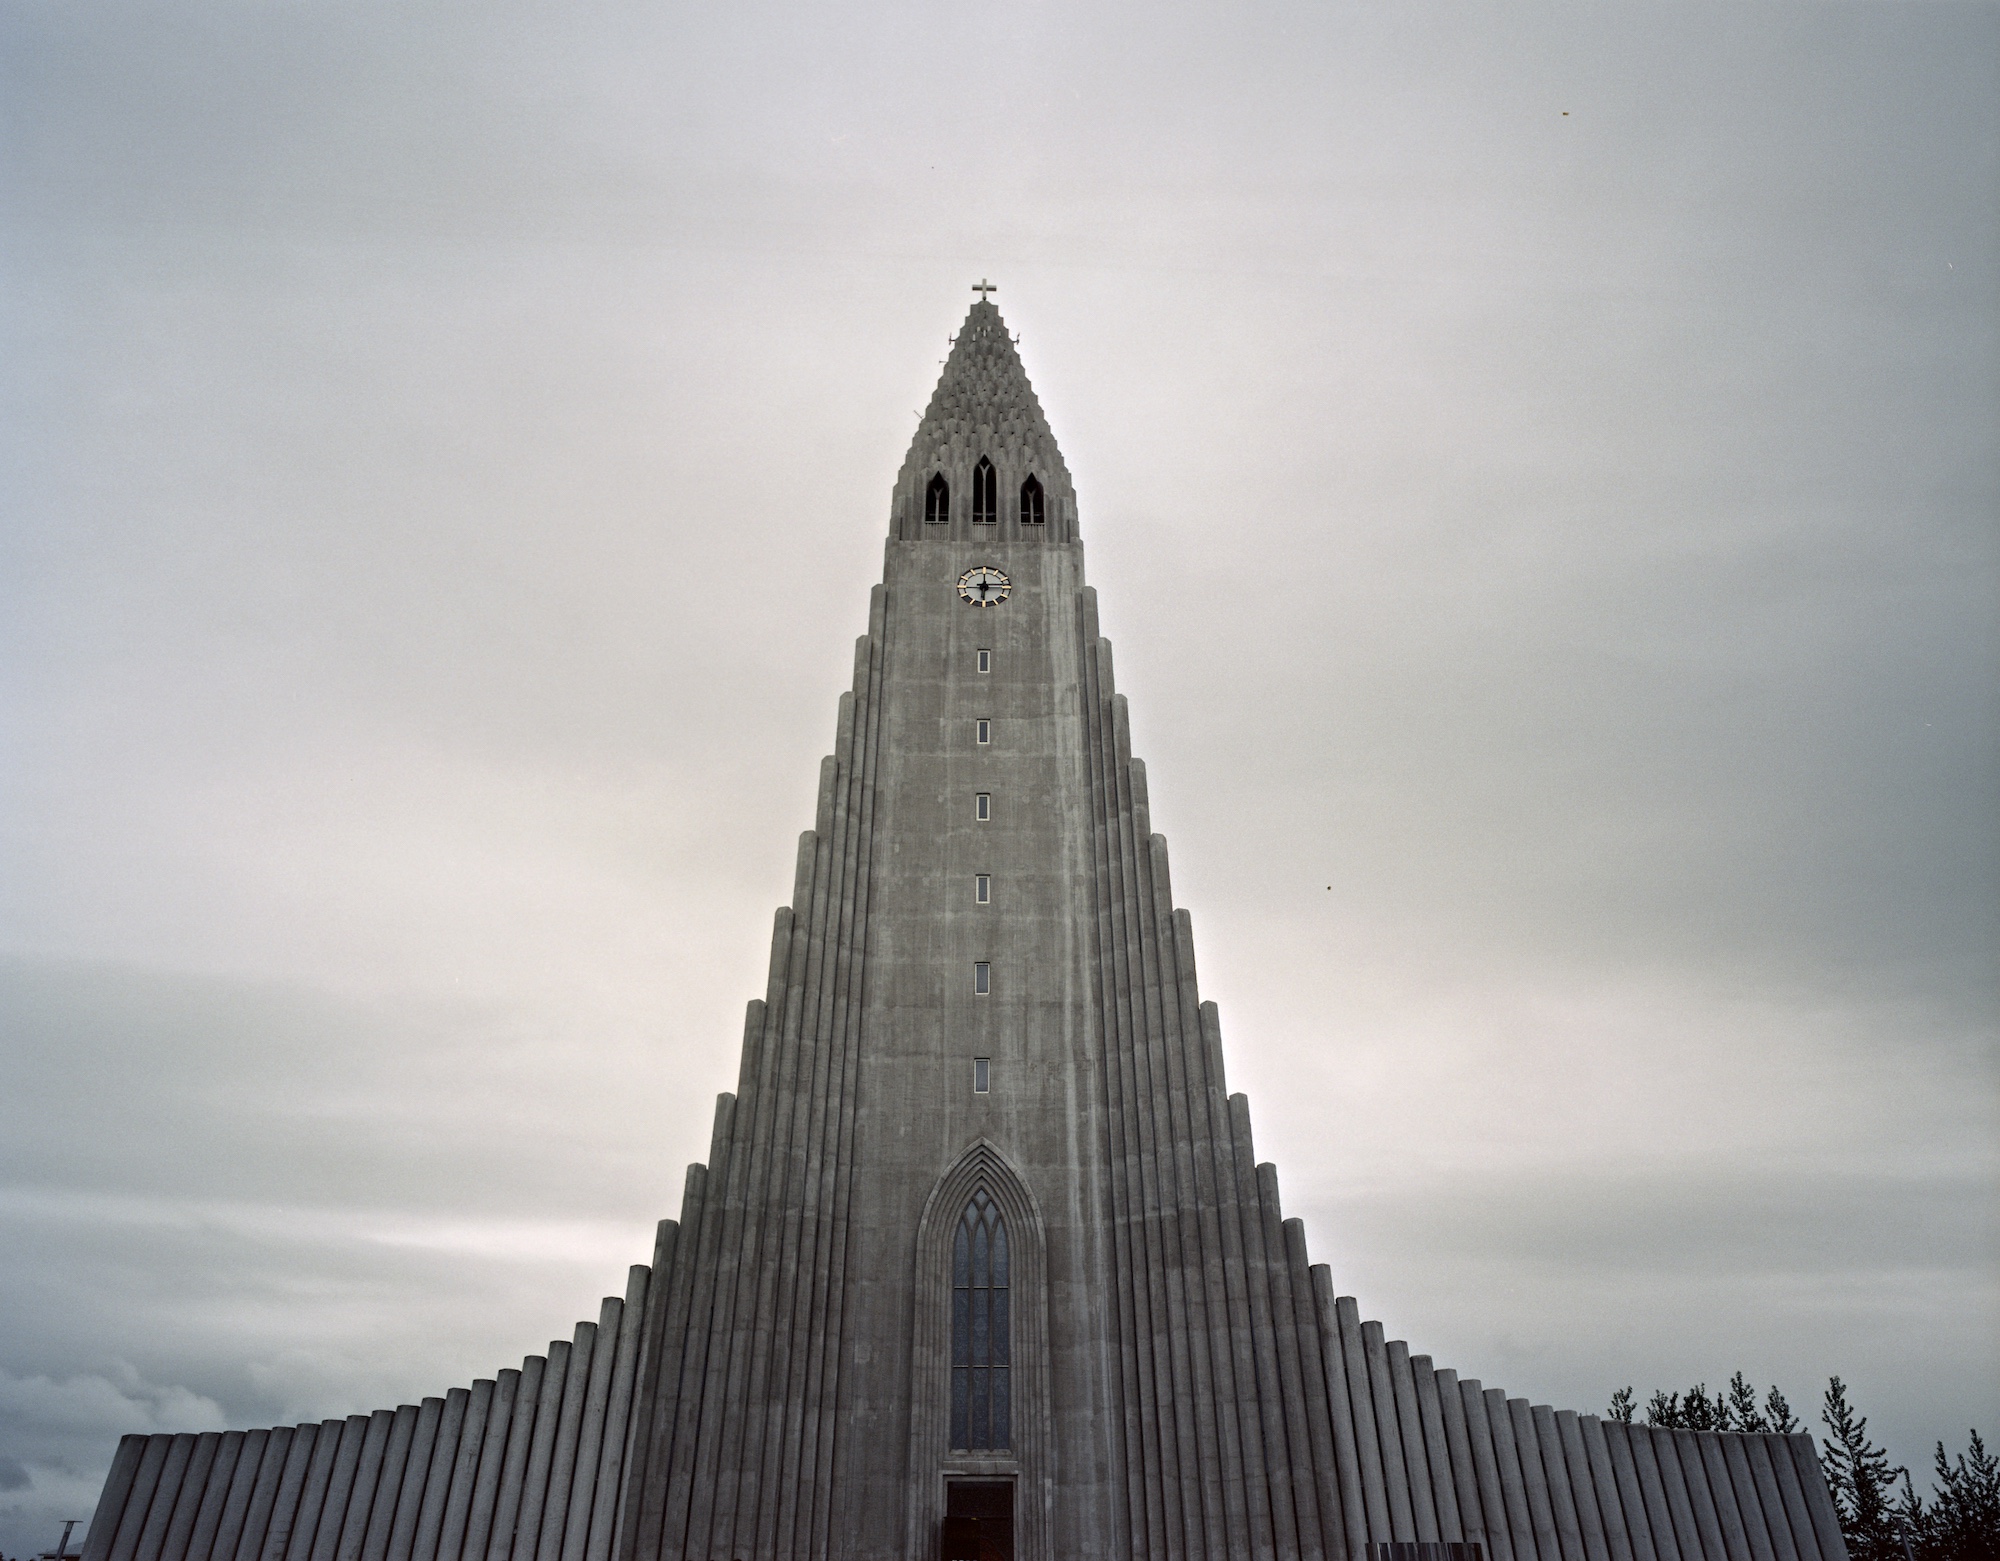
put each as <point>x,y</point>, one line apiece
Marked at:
<point>982,1416</point>
<point>1031,503</point>
<point>937,501</point>
<point>985,494</point>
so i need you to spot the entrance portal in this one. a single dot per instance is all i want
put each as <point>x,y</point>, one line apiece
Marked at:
<point>978,1521</point>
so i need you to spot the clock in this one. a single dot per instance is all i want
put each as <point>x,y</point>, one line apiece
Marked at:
<point>984,586</point>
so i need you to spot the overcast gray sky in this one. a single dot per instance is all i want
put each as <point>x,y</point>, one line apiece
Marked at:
<point>1539,466</point>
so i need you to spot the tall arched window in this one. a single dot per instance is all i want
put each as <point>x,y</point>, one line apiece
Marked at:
<point>985,494</point>
<point>981,1398</point>
<point>1031,503</point>
<point>937,501</point>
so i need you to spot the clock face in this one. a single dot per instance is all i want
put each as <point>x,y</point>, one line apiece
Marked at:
<point>984,586</point>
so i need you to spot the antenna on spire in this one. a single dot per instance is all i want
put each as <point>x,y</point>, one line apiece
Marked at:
<point>982,287</point>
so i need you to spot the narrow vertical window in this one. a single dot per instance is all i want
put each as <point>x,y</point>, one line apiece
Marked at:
<point>982,806</point>
<point>982,1075</point>
<point>982,888</point>
<point>983,729</point>
<point>937,501</point>
<point>1031,503</point>
<point>986,661</point>
<point>985,493</point>
<point>982,1418</point>
<point>982,979</point>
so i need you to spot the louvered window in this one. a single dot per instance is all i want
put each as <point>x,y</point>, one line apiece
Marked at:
<point>1031,503</point>
<point>985,494</point>
<point>937,501</point>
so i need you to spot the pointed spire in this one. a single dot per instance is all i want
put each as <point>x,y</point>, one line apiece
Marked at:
<point>983,406</point>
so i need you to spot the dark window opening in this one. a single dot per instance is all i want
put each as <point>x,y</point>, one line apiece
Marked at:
<point>986,661</point>
<point>985,493</point>
<point>937,501</point>
<point>982,978</point>
<point>1031,503</point>
<point>981,1401</point>
<point>982,1075</point>
<point>982,806</point>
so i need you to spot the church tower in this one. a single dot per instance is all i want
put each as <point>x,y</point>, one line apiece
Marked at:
<point>981,1263</point>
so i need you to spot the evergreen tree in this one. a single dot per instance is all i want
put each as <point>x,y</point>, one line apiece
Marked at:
<point>1621,1407</point>
<point>1963,1521</point>
<point>1778,1414</point>
<point>1744,1415</point>
<point>1862,1480</point>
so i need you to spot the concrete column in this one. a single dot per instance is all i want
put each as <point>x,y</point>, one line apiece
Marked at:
<point>267,1531</point>
<point>193,1493</point>
<point>590,1431</point>
<point>562,1463</point>
<point>1367,1431</point>
<point>1219,1473</point>
<point>1729,1518</point>
<point>1685,1446</point>
<point>1798,1515</point>
<point>1486,1468</point>
<point>1619,1503</point>
<point>492,1466</point>
<point>1584,1491</point>
<point>1729,1451</point>
<point>1291,1374</point>
<point>1534,1480</point>
<point>1610,1441</point>
<point>1275,1450</point>
<point>1437,1450</point>
<point>1141,1421</point>
<point>160,1510</point>
<point>1659,1448</point>
<point>389,1484</point>
<point>188,1499</point>
<point>465,1471</point>
<point>618,1415</point>
<point>812,1517</point>
<point>112,1499</point>
<point>354,1438</point>
<point>541,1456</point>
<point>416,1480</point>
<point>1673,1539</point>
<point>1232,1277</point>
<point>353,1530</point>
<point>215,1496</point>
<point>1521,1526</point>
<point>1770,1501</point>
<point>308,1515</point>
<point>1472,1518</point>
<point>437,1478</point>
<point>1340,1414</point>
<point>1555,1471</point>
<point>1812,1482</point>
<point>1416,1462</point>
<point>242,1487</point>
<point>514,1469</point>
<point>1319,1422</point>
<point>1388,1435</point>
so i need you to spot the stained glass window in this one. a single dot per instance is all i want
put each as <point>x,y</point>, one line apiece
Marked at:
<point>982,1417</point>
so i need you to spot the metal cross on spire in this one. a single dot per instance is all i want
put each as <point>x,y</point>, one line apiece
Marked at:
<point>982,287</point>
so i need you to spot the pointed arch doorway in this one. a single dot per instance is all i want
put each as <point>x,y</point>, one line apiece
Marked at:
<point>979,1368</point>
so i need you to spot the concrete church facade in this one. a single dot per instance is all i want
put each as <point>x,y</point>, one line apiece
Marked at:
<point>981,1262</point>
